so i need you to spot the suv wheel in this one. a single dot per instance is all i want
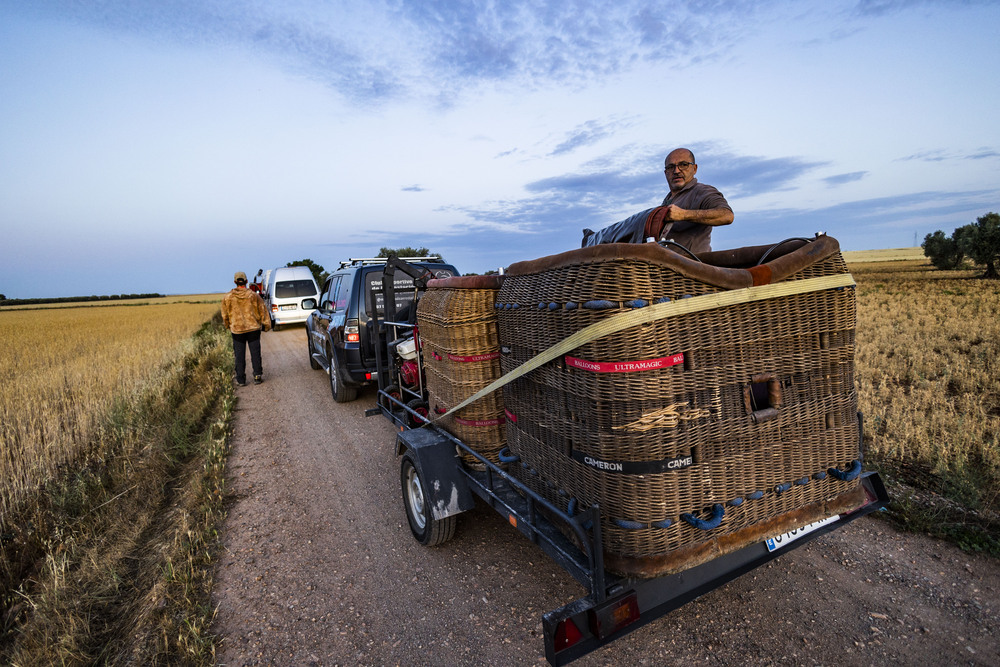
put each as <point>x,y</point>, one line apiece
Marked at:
<point>342,393</point>
<point>315,365</point>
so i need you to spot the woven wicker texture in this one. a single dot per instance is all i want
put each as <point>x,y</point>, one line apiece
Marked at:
<point>461,352</point>
<point>745,406</point>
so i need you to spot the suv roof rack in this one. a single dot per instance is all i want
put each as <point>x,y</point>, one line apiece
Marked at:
<point>361,261</point>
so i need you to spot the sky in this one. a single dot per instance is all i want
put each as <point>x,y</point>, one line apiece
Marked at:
<point>160,146</point>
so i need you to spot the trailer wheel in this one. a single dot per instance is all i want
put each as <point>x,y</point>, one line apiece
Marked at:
<point>393,391</point>
<point>425,528</point>
<point>420,407</point>
<point>342,393</point>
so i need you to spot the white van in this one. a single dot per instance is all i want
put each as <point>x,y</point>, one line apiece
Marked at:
<point>290,294</point>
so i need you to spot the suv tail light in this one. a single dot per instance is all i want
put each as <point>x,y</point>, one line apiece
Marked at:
<point>352,332</point>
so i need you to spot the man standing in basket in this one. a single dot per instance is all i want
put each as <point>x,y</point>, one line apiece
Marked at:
<point>686,217</point>
<point>244,314</point>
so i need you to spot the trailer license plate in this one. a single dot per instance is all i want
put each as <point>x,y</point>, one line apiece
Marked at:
<point>785,538</point>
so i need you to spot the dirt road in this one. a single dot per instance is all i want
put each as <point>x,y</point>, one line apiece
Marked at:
<point>319,568</point>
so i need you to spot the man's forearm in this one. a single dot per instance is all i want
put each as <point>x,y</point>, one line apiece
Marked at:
<point>707,216</point>
<point>711,216</point>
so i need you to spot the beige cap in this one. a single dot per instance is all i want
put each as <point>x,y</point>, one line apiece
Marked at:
<point>240,276</point>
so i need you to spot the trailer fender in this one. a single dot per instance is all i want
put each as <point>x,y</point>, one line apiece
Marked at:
<point>438,464</point>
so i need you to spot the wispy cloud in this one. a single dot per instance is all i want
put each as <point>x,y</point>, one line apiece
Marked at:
<point>437,45</point>
<point>886,7</point>
<point>983,154</point>
<point>936,155</point>
<point>746,175</point>
<point>840,179</point>
<point>586,134</point>
<point>413,188</point>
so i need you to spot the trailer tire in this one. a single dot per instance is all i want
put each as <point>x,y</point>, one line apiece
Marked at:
<point>420,407</point>
<point>384,402</point>
<point>425,528</point>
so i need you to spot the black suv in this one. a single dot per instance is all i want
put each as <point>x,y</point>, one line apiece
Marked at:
<point>340,334</point>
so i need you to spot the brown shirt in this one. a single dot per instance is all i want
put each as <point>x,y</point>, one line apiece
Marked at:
<point>694,236</point>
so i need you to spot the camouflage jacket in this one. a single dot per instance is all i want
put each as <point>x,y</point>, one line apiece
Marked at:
<point>243,311</point>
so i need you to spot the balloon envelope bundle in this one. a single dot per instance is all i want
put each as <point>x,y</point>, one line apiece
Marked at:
<point>706,402</point>
<point>457,325</point>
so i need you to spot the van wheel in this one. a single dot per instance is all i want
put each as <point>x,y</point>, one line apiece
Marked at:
<point>342,393</point>
<point>275,326</point>
<point>425,528</point>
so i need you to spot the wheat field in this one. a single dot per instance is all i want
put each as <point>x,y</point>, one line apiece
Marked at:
<point>62,368</point>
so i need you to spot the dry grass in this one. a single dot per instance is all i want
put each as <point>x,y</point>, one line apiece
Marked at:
<point>928,379</point>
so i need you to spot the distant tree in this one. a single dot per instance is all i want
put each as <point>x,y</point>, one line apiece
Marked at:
<point>979,241</point>
<point>3,297</point>
<point>943,251</point>
<point>319,273</point>
<point>406,252</point>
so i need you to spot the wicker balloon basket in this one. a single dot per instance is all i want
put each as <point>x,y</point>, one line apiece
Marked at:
<point>698,433</point>
<point>457,322</point>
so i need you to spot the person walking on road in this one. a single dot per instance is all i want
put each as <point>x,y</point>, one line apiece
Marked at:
<point>244,314</point>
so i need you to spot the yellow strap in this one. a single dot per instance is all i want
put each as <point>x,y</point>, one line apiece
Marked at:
<point>661,311</point>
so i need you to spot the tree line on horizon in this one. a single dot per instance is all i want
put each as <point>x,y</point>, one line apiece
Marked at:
<point>4,301</point>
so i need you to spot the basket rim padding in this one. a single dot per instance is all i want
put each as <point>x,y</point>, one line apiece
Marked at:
<point>466,282</point>
<point>714,269</point>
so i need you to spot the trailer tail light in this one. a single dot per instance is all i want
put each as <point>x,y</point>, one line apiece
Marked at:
<point>352,333</point>
<point>567,634</point>
<point>610,618</point>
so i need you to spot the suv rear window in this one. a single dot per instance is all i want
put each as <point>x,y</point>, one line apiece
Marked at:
<point>402,285</point>
<point>289,289</point>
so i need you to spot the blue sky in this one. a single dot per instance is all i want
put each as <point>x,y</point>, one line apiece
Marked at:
<point>160,146</point>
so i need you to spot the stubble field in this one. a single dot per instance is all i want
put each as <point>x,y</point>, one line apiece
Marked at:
<point>929,388</point>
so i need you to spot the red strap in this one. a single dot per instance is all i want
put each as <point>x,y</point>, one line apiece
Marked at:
<point>761,275</point>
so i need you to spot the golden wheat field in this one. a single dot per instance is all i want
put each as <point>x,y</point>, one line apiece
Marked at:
<point>61,369</point>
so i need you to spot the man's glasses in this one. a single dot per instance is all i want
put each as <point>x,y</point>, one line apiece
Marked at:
<point>680,165</point>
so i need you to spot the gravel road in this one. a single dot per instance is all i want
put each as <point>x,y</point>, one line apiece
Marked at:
<point>319,568</point>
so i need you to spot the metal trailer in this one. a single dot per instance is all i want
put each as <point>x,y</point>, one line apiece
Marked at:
<point>436,487</point>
